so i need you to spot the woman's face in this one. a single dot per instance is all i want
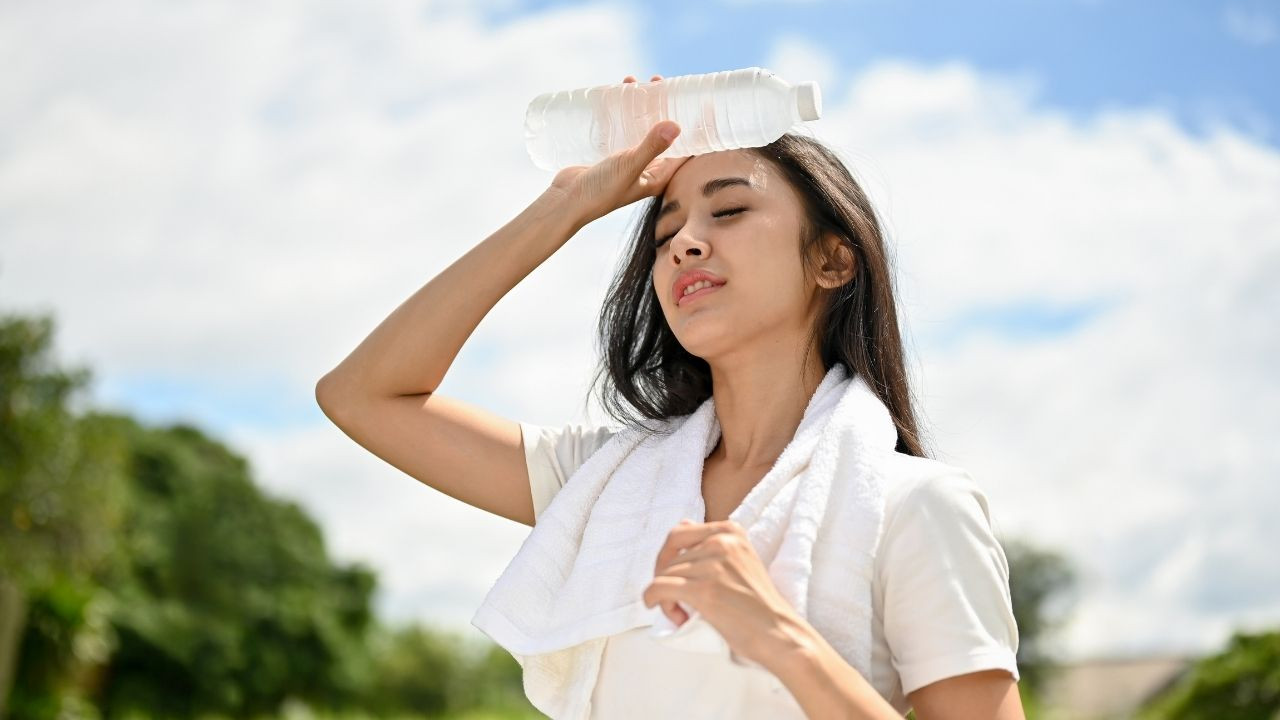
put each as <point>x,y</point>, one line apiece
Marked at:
<point>765,302</point>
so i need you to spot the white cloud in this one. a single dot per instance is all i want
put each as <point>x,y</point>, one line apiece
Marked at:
<point>237,192</point>
<point>798,59</point>
<point>1139,443</point>
<point>240,193</point>
<point>435,557</point>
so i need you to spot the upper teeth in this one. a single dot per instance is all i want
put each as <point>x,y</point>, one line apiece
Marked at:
<point>697,286</point>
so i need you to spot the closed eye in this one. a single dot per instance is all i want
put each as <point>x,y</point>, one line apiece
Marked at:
<point>723,213</point>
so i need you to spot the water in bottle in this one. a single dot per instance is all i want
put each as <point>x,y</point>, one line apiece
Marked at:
<point>715,111</point>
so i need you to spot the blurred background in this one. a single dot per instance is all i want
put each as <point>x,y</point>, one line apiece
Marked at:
<point>204,206</point>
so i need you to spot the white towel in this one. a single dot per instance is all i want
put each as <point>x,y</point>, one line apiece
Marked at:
<point>814,519</point>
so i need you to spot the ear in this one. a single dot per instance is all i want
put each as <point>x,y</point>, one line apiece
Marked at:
<point>838,262</point>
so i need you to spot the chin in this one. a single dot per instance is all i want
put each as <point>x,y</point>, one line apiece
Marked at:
<point>705,341</point>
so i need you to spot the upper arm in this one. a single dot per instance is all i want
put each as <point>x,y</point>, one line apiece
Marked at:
<point>984,694</point>
<point>461,450</point>
<point>947,609</point>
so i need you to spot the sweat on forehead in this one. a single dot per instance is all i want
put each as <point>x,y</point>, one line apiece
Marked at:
<point>721,176</point>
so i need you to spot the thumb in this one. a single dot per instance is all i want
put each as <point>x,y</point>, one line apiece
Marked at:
<point>659,138</point>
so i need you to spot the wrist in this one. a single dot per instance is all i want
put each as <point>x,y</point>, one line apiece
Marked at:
<point>791,640</point>
<point>821,681</point>
<point>556,203</point>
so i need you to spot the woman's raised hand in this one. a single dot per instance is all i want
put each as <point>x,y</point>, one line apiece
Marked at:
<point>625,176</point>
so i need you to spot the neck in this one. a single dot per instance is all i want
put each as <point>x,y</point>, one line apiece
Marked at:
<point>759,405</point>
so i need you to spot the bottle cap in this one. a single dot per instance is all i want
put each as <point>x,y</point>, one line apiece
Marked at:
<point>809,100</point>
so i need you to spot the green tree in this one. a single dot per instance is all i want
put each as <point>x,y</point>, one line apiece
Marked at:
<point>142,568</point>
<point>143,573</point>
<point>421,669</point>
<point>1240,683</point>
<point>499,681</point>
<point>1041,585</point>
<point>61,497</point>
<point>225,599</point>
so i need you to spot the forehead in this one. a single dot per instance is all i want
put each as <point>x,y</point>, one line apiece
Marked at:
<point>685,186</point>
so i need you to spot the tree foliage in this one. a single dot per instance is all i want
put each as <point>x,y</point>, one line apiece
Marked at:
<point>60,481</point>
<point>1240,683</point>
<point>148,575</point>
<point>62,495</point>
<point>223,593</point>
<point>154,578</point>
<point>1041,584</point>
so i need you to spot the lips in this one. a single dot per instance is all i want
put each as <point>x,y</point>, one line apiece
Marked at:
<point>686,299</point>
<point>689,277</point>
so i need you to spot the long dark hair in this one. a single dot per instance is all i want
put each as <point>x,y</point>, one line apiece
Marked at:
<point>651,376</point>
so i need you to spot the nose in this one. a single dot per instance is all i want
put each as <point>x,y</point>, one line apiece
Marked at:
<point>685,244</point>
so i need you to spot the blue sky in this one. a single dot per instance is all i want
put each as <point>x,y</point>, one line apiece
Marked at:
<point>1201,60</point>
<point>258,403</point>
<point>218,202</point>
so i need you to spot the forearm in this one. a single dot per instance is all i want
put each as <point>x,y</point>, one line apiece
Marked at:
<point>412,349</point>
<point>821,681</point>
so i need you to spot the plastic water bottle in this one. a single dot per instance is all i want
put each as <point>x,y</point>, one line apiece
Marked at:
<point>715,111</point>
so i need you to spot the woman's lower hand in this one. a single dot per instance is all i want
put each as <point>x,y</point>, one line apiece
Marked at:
<point>624,177</point>
<point>713,568</point>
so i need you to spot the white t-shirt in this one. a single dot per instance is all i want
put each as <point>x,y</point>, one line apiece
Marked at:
<point>940,599</point>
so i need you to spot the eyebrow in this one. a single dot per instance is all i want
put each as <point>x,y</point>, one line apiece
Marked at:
<point>707,191</point>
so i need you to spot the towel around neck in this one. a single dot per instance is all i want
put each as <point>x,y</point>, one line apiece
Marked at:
<point>814,520</point>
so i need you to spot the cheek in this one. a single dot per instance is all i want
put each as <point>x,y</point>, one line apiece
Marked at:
<point>662,292</point>
<point>777,280</point>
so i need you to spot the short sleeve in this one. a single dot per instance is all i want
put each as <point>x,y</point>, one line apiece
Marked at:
<point>553,454</point>
<point>945,578</point>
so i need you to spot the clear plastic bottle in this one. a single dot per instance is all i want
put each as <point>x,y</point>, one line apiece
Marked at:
<point>715,111</point>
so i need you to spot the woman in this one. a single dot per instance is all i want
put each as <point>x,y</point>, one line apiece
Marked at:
<point>768,320</point>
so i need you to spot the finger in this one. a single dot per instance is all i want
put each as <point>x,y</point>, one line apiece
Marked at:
<point>681,538</point>
<point>691,561</point>
<point>629,78</point>
<point>656,78</point>
<point>665,592</point>
<point>682,571</point>
<point>660,172</point>
<point>672,546</point>
<point>653,144</point>
<point>672,610</point>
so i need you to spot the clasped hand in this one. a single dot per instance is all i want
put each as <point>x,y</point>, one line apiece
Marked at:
<point>713,568</point>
